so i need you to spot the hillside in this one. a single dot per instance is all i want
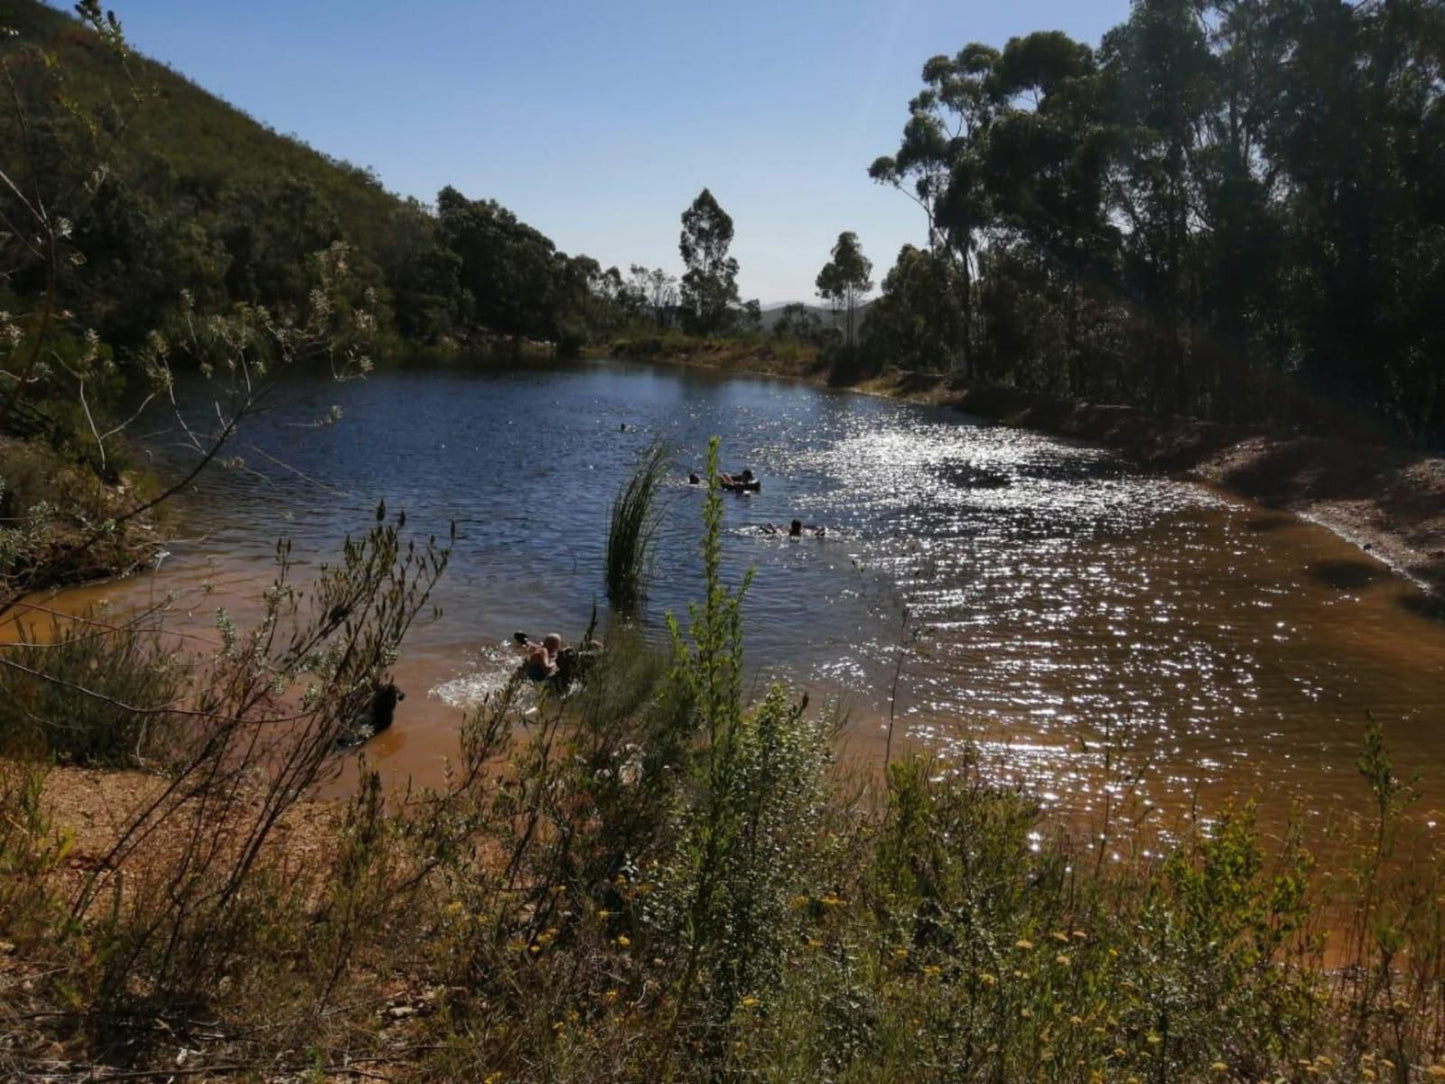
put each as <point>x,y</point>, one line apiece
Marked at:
<point>168,190</point>
<point>202,142</point>
<point>823,314</point>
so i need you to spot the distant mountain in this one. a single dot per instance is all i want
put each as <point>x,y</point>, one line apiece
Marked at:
<point>772,313</point>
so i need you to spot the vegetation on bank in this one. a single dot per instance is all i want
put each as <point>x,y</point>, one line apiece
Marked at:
<point>658,879</point>
<point>1229,208</point>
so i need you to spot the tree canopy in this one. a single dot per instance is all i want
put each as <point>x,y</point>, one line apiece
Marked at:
<point>1231,208</point>
<point>709,286</point>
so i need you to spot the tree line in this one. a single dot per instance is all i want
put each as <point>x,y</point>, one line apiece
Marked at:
<point>1232,208</point>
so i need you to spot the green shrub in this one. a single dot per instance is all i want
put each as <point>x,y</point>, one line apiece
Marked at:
<point>94,693</point>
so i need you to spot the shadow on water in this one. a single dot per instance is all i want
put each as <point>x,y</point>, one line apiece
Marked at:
<point>1430,607</point>
<point>1271,522</point>
<point>1347,574</point>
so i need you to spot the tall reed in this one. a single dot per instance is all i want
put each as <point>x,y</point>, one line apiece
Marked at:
<point>632,531</point>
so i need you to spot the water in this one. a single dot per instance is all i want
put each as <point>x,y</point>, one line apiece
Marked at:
<point>1084,627</point>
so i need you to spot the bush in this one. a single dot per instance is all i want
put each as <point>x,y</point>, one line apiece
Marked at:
<point>94,693</point>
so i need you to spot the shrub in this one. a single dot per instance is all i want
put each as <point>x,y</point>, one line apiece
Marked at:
<point>93,693</point>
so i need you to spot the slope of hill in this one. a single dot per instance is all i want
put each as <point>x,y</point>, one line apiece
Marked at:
<point>204,142</point>
<point>823,313</point>
<point>199,198</point>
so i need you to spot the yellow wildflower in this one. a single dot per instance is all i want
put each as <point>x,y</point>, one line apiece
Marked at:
<point>748,1002</point>
<point>1062,960</point>
<point>900,953</point>
<point>623,940</point>
<point>1023,944</point>
<point>1219,1067</point>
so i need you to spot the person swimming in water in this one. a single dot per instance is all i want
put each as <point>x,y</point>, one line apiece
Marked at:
<point>541,661</point>
<point>796,529</point>
<point>552,661</point>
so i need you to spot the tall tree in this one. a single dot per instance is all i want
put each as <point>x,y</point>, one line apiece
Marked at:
<point>844,278</point>
<point>938,165</point>
<point>709,287</point>
<point>1046,169</point>
<point>1161,71</point>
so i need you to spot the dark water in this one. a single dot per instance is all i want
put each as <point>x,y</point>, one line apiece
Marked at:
<point>1083,626</point>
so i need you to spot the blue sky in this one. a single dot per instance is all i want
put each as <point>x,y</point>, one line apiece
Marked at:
<point>599,122</point>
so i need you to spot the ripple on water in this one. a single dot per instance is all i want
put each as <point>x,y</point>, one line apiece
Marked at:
<point>1058,604</point>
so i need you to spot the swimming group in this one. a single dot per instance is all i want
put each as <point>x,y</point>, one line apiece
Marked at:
<point>745,482</point>
<point>552,662</point>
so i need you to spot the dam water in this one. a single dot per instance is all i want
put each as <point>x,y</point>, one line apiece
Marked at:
<point>1084,628</point>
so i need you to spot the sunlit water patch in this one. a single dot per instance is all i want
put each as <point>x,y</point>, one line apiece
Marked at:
<point>1072,626</point>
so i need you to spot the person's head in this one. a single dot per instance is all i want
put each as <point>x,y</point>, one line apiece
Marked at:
<point>553,643</point>
<point>693,479</point>
<point>747,475</point>
<point>795,528</point>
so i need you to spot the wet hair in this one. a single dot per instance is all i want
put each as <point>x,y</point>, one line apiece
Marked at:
<point>747,475</point>
<point>693,480</point>
<point>796,527</point>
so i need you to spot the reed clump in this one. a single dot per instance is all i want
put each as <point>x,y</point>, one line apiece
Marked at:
<point>632,531</point>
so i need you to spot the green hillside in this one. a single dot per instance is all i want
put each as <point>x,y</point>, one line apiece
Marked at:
<point>202,199</point>
<point>204,143</point>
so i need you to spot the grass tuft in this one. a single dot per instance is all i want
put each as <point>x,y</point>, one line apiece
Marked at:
<point>632,529</point>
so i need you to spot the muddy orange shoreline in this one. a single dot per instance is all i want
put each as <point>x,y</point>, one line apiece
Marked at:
<point>1389,501</point>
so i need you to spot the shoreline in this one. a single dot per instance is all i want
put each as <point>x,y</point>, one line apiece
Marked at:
<point>1388,501</point>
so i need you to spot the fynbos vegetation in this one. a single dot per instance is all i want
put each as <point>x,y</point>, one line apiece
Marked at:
<point>655,879</point>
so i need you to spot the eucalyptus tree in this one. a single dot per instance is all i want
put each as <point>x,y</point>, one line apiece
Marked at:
<point>915,323</point>
<point>939,165</point>
<point>709,287</point>
<point>844,279</point>
<point>1046,169</point>
<point>1160,71</point>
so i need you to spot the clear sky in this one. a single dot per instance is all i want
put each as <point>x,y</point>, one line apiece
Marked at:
<point>598,122</point>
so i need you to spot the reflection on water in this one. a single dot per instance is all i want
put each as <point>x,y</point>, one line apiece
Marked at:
<point>1062,612</point>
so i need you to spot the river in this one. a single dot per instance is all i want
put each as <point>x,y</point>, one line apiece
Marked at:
<point>1085,627</point>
